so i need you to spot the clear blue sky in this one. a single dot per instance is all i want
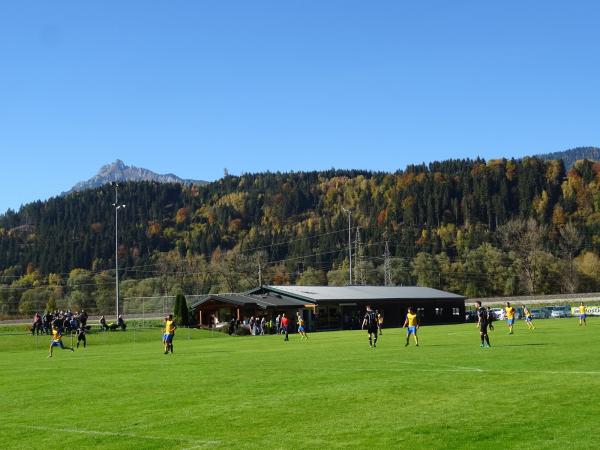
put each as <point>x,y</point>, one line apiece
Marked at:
<point>192,87</point>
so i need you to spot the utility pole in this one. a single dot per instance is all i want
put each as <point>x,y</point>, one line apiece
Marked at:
<point>359,272</point>
<point>349,244</point>
<point>387,266</point>
<point>259,274</point>
<point>117,207</point>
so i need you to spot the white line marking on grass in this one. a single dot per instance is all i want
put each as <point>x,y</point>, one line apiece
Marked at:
<point>475,369</point>
<point>122,434</point>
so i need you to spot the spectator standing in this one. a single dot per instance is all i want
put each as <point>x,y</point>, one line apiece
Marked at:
<point>284,326</point>
<point>37,325</point>
<point>83,317</point>
<point>262,325</point>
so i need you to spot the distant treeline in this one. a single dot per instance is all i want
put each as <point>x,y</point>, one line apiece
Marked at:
<point>478,228</point>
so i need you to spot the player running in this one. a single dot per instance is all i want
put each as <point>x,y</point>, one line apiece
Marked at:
<point>56,341</point>
<point>510,317</point>
<point>300,322</point>
<point>169,333</point>
<point>370,321</point>
<point>582,315</point>
<point>528,318</point>
<point>412,322</point>
<point>483,323</point>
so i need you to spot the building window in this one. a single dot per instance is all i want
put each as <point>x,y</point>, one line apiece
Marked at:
<point>456,311</point>
<point>439,312</point>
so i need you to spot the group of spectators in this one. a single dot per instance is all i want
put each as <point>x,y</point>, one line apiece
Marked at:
<point>258,325</point>
<point>65,321</point>
<point>69,321</point>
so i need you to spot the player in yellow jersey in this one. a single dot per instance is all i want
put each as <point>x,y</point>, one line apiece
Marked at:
<point>169,333</point>
<point>510,317</point>
<point>582,315</point>
<point>528,317</point>
<point>412,322</point>
<point>301,329</point>
<point>56,341</point>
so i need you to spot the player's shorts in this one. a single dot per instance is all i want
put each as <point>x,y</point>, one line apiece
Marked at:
<point>510,321</point>
<point>483,327</point>
<point>528,319</point>
<point>300,329</point>
<point>582,316</point>
<point>411,330</point>
<point>57,344</point>
<point>168,337</point>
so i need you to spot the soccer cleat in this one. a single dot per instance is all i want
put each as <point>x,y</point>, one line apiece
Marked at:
<point>406,345</point>
<point>481,345</point>
<point>488,346</point>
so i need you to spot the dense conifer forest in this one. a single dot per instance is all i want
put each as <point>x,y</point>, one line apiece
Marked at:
<point>474,227</point>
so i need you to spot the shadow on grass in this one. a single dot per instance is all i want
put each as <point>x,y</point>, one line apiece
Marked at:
<point>522,345</point>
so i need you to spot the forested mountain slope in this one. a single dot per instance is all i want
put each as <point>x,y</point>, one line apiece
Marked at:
<point>469,226</point>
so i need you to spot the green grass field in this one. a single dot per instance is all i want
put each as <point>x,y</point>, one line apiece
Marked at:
<point>537,389</point>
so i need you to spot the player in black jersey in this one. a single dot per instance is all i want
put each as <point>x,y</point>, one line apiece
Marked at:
<point>81,331</point>
<point>370,322</point>
<point>482,323</point>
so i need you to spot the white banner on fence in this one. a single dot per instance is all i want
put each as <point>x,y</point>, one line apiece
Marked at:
<point>589,310</point>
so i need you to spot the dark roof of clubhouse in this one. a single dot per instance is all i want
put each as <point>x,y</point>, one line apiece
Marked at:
<point>297,296</point>
<point>318,294</point>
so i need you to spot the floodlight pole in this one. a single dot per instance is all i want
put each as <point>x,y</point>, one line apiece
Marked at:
<point>117,207</point>
<point>349,244</point>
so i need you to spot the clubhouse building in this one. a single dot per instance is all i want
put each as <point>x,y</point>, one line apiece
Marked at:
<point>332,307</point>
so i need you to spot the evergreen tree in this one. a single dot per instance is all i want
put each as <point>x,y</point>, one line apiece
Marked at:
<point>181,313</point>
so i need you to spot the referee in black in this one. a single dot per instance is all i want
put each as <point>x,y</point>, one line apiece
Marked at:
<point>482,323</point>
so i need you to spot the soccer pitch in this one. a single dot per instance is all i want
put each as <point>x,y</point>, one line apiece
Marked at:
<point>534,389</point>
